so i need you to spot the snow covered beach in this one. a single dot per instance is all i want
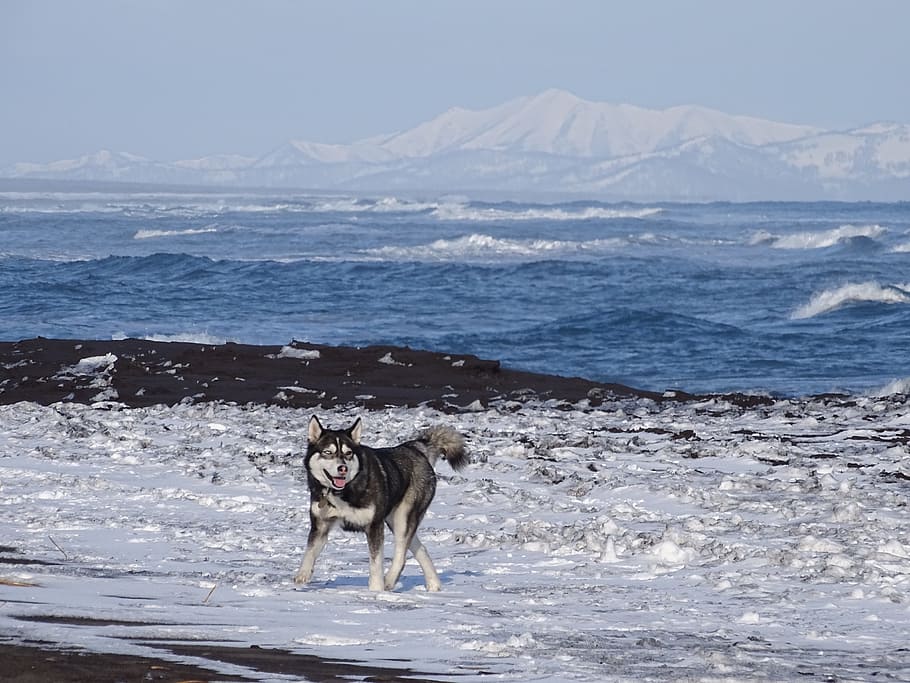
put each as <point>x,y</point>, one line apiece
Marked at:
<point>596,536</point>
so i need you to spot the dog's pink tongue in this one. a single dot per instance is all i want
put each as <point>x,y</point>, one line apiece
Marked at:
<point>339,482</point>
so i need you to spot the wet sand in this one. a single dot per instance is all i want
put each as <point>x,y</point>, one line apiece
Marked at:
<point>45,663</point>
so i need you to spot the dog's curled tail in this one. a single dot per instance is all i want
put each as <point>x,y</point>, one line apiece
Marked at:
<point>446,443</point>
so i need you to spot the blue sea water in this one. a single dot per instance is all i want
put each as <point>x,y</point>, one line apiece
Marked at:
<point>788,298</point>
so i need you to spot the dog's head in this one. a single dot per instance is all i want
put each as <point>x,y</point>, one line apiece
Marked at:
<point>333,455</point>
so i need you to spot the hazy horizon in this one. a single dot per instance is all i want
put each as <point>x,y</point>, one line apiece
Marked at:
<point>170,80</point>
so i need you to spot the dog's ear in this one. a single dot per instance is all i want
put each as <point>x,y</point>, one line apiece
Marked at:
<point>314,431</point>
<point>354,431</point>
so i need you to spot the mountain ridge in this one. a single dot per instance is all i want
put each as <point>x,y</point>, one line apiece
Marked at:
<point>556,142</point>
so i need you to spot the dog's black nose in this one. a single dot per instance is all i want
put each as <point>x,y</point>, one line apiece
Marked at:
<point>342,469</point>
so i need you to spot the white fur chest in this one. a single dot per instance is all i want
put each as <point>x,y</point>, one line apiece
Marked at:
<point>333,507</point>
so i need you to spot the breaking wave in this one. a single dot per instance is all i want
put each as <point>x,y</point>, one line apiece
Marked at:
<point>153,234</point>
<point>382,205</point>
<point>481,247</point>
<point>446,208</point>
<point>466,212</point>
<point>898,386</point>
<point>187,337</point>
<point>864,292</point>
<point>818,239</point>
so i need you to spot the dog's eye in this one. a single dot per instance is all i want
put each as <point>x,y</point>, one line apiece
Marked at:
<point>328,452</point>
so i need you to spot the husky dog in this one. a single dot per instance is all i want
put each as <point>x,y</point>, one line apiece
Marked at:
<point>365,488</point>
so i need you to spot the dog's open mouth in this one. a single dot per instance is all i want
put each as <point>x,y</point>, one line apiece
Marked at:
<point>337,482</point>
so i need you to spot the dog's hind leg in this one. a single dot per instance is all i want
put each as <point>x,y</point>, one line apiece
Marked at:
<point>403,532</point>
<point>406,539</point>
<point>398,560</point>
<point>426,564</point>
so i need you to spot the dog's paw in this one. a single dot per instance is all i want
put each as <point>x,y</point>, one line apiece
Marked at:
<point>434,586</point>
<point>303,577</point>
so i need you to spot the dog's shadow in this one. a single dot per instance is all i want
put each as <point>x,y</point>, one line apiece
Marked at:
<point>405,584</point>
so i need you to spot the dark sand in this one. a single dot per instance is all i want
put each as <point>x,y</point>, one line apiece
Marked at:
<point>147,373</point>
<point>46,663</point>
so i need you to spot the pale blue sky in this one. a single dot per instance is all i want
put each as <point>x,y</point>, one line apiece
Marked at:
<point>174,79</point>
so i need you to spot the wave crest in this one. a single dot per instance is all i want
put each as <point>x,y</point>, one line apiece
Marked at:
<point>864,292</point>
<point>818,239</point>
<point>466,212</point>
<point>155,234</point>
<point>481,247</point>
<point>898,386</point>
<point>186,337</point>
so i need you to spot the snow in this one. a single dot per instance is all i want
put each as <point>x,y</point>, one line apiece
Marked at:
<point>637,540</point>
<point>878,149</point>
<point>557,122</point>
<point>301,354</point>
<point>388,360</point>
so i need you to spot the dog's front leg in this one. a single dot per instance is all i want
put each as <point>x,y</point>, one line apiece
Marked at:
<point>319,534</point>
<point>375,541</point>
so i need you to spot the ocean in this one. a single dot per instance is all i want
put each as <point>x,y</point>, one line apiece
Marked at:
<point>785,298</point>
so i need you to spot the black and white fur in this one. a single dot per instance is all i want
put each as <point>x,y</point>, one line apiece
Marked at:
<point>364,488</point>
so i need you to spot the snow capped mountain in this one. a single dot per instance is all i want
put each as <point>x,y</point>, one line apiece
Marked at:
<point>877,150</point>
<point>558,143</point>
<point>557,122</point>
<point>699,169</point>
<point>303,152</point>
<point>88,166</point>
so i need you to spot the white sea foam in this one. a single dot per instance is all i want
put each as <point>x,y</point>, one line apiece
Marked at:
<point>89,208</point>
<point>51,258</point>
<point>381,205</point>
<point>463,212</point>
<point>898,386</point>
<point>153,234</point>
<point>449,208</point>
<point>817,239</point>
<point>187,337</point>
<point>309,204</point>
<point>863,292</point>
<point>479,246</point>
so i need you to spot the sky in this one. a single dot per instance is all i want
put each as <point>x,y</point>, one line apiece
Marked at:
<point>172,79</point>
